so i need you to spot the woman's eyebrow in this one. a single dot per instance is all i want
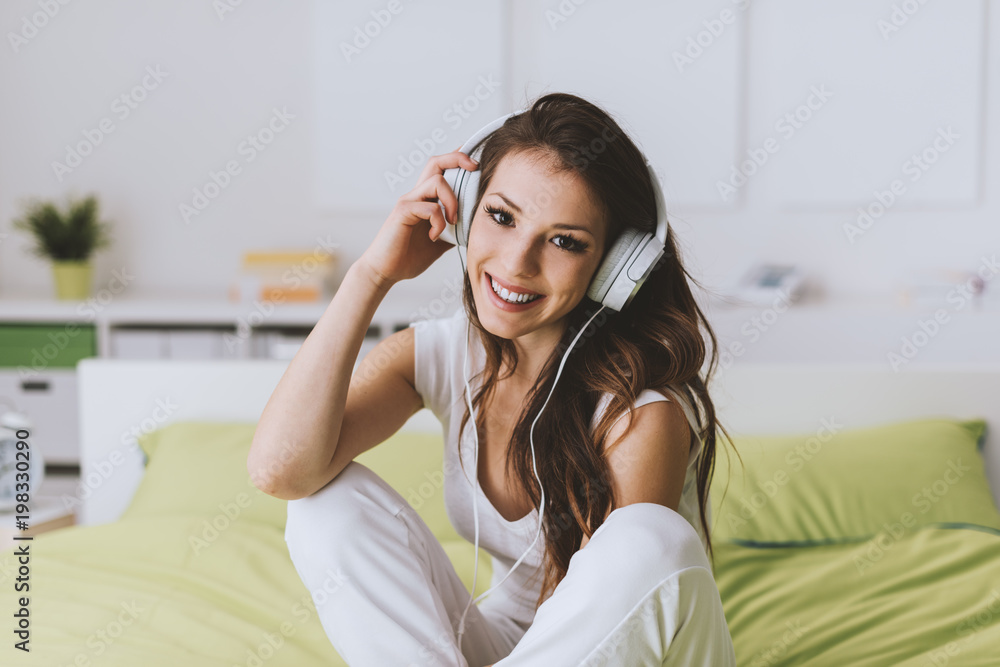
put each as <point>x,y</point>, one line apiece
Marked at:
<point>558,225</point>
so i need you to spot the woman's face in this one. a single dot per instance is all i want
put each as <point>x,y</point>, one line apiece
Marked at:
<point>535,233</point>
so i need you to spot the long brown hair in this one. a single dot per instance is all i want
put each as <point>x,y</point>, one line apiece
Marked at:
<point>653,343</point>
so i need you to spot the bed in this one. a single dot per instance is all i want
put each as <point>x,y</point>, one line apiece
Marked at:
<point>824,553</point>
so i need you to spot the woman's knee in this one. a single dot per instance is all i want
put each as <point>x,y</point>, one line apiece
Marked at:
<point>654,539</point>
<point>343,507</point>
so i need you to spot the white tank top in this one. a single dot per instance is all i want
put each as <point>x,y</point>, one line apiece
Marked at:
<point>439,353</point>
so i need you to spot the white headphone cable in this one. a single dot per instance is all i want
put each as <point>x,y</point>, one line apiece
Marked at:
<point>475,465</point>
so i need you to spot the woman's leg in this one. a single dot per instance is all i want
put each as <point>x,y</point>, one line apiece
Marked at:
<point>385,591</point>
<point>641,592</point>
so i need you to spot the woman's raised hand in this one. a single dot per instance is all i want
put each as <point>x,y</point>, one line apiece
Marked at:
<point>407,242</point>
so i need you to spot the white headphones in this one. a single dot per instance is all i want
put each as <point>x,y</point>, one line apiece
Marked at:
<point>625,267</point>
<point>623,271</point>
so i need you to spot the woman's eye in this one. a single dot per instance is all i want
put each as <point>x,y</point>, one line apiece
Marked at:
<point>494,212</point>
<point>571,244</point>
<point>502,217</point>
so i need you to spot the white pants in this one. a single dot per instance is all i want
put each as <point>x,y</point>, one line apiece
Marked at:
<point>641,592</point>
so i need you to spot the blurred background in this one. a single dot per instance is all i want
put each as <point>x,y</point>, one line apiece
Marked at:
<point>829,170</point>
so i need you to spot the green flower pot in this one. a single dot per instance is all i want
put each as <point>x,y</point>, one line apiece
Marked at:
<point>73,278</point>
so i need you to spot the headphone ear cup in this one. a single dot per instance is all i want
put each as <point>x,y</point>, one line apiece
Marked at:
<point>615,261</point>
<point>468,187</point>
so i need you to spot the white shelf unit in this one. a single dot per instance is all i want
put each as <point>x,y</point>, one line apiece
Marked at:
<point>167,328</point>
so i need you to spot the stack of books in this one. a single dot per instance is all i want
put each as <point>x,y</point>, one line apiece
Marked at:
<point>284,276</point>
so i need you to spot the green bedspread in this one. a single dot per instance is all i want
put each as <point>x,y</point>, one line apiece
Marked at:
<point>133,593</point>
<point>139,593</point>
<point>145,592</point>
<point>929,597</point>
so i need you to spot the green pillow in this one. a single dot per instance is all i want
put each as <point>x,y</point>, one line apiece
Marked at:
<point>842,484</point>
<point>200,468</point>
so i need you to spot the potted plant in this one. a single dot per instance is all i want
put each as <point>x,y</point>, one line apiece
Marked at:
<point>68,239</point>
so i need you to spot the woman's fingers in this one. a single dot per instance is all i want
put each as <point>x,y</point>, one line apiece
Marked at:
<point>417,211</point>
<point>435,188</point>
<point>437,164</point>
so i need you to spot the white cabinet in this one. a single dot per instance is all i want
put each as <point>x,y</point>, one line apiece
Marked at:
<point>197,344</point>
<point>156,342</point>
<point>280,344</point>
<point>41,340</point>
<point>48,398</point>
<point>138,344</point>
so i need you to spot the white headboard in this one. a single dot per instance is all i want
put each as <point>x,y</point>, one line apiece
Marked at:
<point>775,399</point>
<point>118,396</point>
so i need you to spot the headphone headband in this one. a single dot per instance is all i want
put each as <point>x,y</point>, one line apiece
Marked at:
<point>473,143</point>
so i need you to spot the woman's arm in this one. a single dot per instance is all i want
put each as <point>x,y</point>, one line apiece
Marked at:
<point>299,428</point>
<point>292,455</point>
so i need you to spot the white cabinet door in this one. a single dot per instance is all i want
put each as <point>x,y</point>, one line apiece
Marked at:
<point>49,399</point>
<point>139,343</point>
<point>195,344</point>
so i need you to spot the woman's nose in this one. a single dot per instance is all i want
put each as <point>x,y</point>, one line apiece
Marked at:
<point>521,257</point>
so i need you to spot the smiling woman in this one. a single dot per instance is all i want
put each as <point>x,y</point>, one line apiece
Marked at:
<point>549,246</point>
<point>558,219</point>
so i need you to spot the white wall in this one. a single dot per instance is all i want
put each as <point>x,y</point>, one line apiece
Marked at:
<point>226,75</point>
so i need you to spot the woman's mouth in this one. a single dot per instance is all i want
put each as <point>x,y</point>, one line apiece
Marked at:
<point>506,300</point>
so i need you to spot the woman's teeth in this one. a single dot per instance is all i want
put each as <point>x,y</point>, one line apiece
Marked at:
<point>512,297</point>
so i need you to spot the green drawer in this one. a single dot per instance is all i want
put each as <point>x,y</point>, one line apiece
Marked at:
<point>41,346</point>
